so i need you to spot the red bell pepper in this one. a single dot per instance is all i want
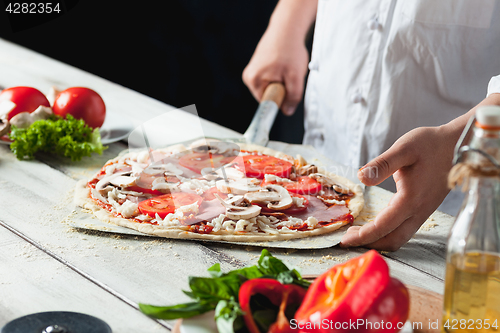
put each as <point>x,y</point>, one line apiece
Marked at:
<point>280,295</point>
<point>358,295</point>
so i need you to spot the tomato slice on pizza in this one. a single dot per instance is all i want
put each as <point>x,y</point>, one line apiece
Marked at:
<point>168,203</point>
<point>199,161</point>
<point>256,166</point>
<point>301,185</point>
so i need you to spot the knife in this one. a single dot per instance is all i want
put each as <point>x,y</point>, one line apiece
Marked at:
<point>263,120</point>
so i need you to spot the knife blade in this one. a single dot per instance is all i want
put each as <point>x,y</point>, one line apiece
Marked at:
<point>263,120</point>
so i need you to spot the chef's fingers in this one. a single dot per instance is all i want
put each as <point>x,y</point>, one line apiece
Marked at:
<point>253,80</point>
<point>294,85</point>
<point>387,220</point>
<point>408,209</point>
<point>390,242</point>
<point>400,155</point>
<point>400,236</point>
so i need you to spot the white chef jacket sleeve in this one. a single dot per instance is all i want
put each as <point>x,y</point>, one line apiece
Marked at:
<point>494,85</point>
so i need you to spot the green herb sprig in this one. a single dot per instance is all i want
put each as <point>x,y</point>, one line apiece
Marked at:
<point>219,292</point>
<point>68,137</point>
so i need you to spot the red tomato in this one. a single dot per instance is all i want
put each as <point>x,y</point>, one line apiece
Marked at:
<point>198,161</point>
<point>81,103</point>
<point>167,203</point>
<point>257,166</point>
<point>27,99</point>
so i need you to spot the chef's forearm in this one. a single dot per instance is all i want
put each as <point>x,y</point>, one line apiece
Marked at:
<point>455,127</point>
<point>293,18</point>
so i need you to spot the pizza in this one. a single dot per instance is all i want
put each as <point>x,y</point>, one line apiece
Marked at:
<point>217,190</point>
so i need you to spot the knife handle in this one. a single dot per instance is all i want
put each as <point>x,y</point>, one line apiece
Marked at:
<point>275,92</point>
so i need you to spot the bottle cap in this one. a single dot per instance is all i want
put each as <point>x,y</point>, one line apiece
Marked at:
<point>488,116</point>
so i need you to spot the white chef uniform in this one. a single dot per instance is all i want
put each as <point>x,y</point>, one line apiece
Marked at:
<point>380,68</point>
<point>494,85</point>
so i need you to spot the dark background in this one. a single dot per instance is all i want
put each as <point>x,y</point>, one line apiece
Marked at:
<point>180,52</point>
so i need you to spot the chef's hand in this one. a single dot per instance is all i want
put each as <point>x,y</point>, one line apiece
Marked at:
<point>281,55</point>
<point>278,60</point>
<point>420,161</point>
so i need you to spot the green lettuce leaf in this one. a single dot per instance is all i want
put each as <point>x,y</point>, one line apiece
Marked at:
<point>68,137</point>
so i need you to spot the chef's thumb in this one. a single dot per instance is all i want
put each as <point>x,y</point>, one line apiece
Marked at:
<point>383,166</point>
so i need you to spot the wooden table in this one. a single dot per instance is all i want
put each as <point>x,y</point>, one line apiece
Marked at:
<point>46,265</point>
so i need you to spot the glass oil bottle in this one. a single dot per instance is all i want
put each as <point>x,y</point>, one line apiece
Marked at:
<point>472,282</point>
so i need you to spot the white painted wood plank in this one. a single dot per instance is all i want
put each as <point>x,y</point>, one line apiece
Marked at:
<point>31,281</point>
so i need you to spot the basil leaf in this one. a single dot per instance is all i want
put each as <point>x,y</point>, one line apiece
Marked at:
<point>222,289</point>
<point>228,316</point>
<point>215,289</point>
<point>190,294</point>
<point>270,265</point>
<point>215,271</point>
<point>299,281</point>
<point>251,272</point>
<point>294,277</point>
<point>185,310</point>
<point>286,277</point>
